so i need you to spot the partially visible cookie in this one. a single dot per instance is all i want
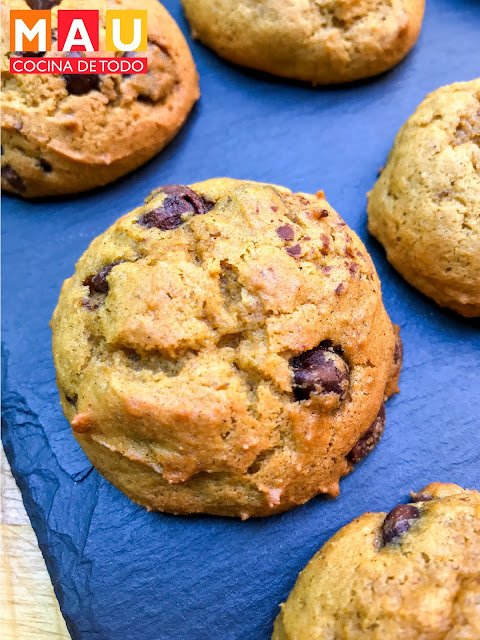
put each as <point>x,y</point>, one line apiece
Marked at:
<point>72,133</point>
<point>225,349</point>
<point>425,206</point>
<point>412,573</point>
<point>319,42</point>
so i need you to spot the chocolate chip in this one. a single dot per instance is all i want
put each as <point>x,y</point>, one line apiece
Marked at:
<point>45,166</point>
<point>286,232</point>
<point>208,204</point>
<point>320,371</point>
<point>340,289</point>
<point>166,217</point>
<point>294,251</point>
<point>43,4</point>
<point>98,283</point>
<point>29,54</point>
<point>197,202</point>
<point>14,180</point>
<point>180,200</point>
<point>79,84</point>
<point>353,268</point>
<point>325,244</point>
<point>370,439</point>
<point>142,97</point>
<point>323,214</point>
<point>71,400</point>
<point>398,521</point>
<point>421,497</point>
<point>398,352</point>
<point>89,304</point>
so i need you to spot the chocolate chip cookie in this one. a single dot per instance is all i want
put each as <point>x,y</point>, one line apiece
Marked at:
<point>425,206</point>
<point>65,134</point>
<point>320,42</point>
<point>413,573</point>
<point>224,349</point>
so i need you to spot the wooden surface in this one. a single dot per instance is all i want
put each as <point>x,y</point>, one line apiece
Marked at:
<point>29,609</point>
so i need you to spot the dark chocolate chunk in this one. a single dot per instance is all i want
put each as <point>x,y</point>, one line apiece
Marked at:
<point>180,200</point>
<point>208,204</point>
<point>325,244</point>
<point>71,400</point>
<point>79,84</point>
<point>398,353</point>
<point>286,232</point>
<point>320,371</point>
<point>370,439</point>
<point>14,180</point>
<point>29,54</point>
<point>89,304</point>
<point>45,166</point>
<point>168,216</point>
<point>421,497</point>
<point>398,521</point>
<point>98,283</point>
<point>188,195</point>
<point>294,251</point>
<point>40,5</point>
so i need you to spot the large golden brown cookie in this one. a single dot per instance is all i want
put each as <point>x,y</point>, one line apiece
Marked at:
<point>322,42</point>
<point>225,349</point>
<point>425,207</point>
<point>411,574</point>
<point>64,134</point>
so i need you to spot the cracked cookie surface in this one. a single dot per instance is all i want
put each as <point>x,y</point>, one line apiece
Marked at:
<point>318,41</point>
<point>71,133</point>
<point>224,348</point>
<point>412,574</point>
<point>425,206</point>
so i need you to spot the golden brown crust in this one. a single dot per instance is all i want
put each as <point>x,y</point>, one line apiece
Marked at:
<point>92,139</point>
<point>424,208</point>
<point>320,42</point>
<point>181,353</point>
<point>425,583</point>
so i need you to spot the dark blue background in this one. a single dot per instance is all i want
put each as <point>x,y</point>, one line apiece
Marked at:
<point>121,573</point>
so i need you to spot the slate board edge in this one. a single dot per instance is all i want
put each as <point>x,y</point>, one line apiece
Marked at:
<point>13,405</point>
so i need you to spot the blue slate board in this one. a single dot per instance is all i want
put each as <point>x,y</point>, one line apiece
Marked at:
<point>121,573</point>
